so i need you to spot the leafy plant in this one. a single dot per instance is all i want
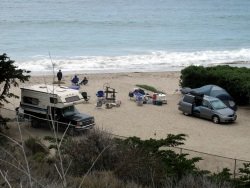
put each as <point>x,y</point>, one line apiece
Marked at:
<point>244,178</point>
<point>234,79</point>
<point>36,146</point>
<point>149,88</point>
<point>10,76</point>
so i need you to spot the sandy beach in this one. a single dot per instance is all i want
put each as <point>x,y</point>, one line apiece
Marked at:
<point>151,121</point>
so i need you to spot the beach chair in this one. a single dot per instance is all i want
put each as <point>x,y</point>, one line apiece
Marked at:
<point>139,99</point>
<point>101,96</point>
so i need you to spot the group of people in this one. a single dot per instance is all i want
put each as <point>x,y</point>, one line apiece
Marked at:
<point>75,80</point>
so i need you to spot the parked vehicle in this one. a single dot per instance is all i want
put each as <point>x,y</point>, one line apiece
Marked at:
<point>213,91</point>
<point>55,103</point>
<point>206,107</point>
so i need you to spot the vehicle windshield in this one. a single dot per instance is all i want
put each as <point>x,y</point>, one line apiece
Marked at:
<point>217,104</point>
<point>68,111</point>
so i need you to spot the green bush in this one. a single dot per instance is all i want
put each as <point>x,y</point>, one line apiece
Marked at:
<point>147,162</point>
<point>51,139</point>
<point>233,79</point>
<point>83,152</point>
<point>149,88</point>
<point>36,146</point>
<point>39,157</point>
<point>131,160</point>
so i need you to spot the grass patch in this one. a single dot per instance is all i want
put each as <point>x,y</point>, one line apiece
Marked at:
<point>149,88</point>
<point>39,157</point>
<point>51,139</point>
<point>35,145</point>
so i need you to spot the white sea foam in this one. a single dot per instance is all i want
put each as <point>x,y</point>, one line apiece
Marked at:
<point>155,61</point>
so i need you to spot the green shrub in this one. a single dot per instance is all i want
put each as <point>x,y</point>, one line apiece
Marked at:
<point>84,151</point>
<point>36,146</point>
<point>147,162</point>
<point>39,157</point>
<point>51,139</point>
<point>149,88</point>
<point>233,79</point>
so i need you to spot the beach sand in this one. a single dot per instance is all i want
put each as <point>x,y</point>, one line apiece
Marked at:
<point>151,121</point>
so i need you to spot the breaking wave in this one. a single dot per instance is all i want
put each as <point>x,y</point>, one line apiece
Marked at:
<point>154,61</point>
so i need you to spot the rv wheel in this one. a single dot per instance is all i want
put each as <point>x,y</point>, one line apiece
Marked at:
<point>35,123</point>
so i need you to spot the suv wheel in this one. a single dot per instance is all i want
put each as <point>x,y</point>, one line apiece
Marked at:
<point>35,123</point>
<point>216,119</point>
<point>186,114</point>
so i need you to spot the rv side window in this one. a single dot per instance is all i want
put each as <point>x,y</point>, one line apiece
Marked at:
<point>53,100</point>
<point>30,100</point>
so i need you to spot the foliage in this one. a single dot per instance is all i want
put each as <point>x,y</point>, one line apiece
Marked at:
<point>223,176</point>
<point>51,139</point>
<point>130,162</point>
<point>145,162</point>
<point>244,179</point>
<point>39,157</point>
<point>150,161</point>
<point>9,76</point>
<point>199,181</point>
<point>36,146</point>
<point>235,80</point>
<point>84,151</point>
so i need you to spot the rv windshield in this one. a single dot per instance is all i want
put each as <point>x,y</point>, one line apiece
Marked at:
<point>68,111</point>
<point>217,104</point>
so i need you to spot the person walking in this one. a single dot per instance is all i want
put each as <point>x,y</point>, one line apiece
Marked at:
<point>59,76</point>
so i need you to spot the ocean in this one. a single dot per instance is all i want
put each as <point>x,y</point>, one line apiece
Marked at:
<point>124,35</point>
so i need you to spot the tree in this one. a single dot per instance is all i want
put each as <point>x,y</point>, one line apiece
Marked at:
<point>10,76</point>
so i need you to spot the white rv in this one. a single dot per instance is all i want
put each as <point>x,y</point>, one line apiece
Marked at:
<point>54,103</point>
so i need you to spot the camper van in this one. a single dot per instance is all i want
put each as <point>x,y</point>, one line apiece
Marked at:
<point>55,103</point>
<point>206,107</point>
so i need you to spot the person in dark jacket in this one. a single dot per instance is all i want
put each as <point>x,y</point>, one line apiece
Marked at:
<point>75,80</point>
<point>84,81</point>
<point>59,76</point>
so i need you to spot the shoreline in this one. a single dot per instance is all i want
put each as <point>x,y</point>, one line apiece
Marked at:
<point>239,64</point>
<point>80,72</point>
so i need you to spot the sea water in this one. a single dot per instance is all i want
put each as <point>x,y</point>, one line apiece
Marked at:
<point>124,35</point>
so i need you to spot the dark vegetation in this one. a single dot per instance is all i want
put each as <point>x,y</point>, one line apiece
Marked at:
<point>149,88</point>
<point>10,76</point>
<point>98,160</point>
<point>235,80</point>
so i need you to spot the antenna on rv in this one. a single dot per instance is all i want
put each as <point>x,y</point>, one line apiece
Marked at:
<point>53,68</point>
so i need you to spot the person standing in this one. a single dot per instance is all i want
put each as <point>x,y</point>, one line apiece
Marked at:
<point>59,76</point>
